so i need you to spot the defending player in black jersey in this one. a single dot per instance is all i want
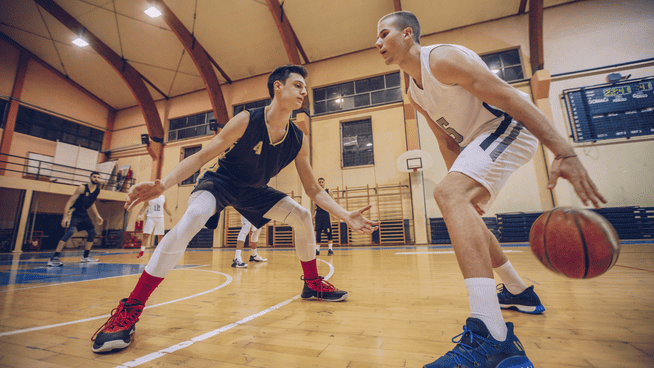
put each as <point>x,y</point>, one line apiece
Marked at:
<point>80,202</point>
<point>323,224</point>
<point>256,144</point>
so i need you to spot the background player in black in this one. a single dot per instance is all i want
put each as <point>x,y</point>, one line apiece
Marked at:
<point>323,223</point>
<point>80,202</point>
<point>255,145</point>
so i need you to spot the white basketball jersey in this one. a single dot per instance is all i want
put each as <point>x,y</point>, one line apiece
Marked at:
<point>155,206</point>
<point>454,109</point>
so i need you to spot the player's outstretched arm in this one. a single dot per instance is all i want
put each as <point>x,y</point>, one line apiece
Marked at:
<point>451,66</point>
<point>355,219</point>
<point>232,131</point>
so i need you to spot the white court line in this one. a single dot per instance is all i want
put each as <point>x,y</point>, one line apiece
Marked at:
<point>450,252</point>
<point>229,280</point>
<point>182,345</point>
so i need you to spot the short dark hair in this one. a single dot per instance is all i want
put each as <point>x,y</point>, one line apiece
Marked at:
<point>403,20</point>
<point>321,178</point>
<point>94,173</point>
<point>282,73</point>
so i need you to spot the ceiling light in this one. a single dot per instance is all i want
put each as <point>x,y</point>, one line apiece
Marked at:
<point>496,71</point>
<point>153,12</point>
<point>80,42</point>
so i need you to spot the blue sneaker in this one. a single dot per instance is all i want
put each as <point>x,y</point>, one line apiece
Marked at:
<point>478,349</point>
<point>525,302</point>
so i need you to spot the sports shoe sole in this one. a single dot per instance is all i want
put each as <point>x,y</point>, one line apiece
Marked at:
<point>56,265</point>
<point>524,308</point>
<point>113,345</point>
<point>343,297</point>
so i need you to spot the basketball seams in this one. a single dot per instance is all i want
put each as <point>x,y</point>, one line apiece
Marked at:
<point>582,236</point>
<point>545,253</point>
<point>610,232</point>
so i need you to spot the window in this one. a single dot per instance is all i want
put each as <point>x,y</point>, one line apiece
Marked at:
<point>53,128</point>
<point>193,178</point>
<point>257,104</point>
<point>357,143</point>
<point>357,94</point>
<point>505,64</point>
<point>190,126</point>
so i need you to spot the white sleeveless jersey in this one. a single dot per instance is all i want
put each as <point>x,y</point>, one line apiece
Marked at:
<point>462,115</point>
<point>155,207</point>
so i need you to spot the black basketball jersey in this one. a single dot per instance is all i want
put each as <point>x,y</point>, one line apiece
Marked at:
<point>253,159</point>
<point>85,200</point>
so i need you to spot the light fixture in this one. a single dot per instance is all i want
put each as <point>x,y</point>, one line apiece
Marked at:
<point>152,12</point>
<point>79,41</point>
<point>496,71</point>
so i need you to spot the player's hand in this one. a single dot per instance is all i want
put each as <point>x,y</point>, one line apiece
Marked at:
<point>571,169</point>
<point>142,192</point>
<point>356,221</point>
<point>99,221</point>
<point>64,222</point>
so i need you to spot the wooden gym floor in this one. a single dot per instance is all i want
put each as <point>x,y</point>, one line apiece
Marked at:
<point>405,305</point>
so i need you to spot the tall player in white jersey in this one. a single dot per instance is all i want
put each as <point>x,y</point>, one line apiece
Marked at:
<point>467,106</point>
<point>154,224</point>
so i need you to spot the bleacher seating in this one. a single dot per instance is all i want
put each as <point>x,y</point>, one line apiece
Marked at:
<point>632,222</point>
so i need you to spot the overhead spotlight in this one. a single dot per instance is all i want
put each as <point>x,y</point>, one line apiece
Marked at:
<point>79,41</point>
<point>152,12</point>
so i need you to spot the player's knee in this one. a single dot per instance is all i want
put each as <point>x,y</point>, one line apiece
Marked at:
<point>91,235</point>
<point>300,219</point>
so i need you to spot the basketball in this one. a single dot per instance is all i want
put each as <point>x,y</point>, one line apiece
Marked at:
<point>577,243</point>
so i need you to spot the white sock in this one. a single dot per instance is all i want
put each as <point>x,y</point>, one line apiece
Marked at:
<point>510,278</point>
<point>238,254</point>
<point>485,306</point>
<point>318,247</point>
<point>330,246</point>
<point>254,252</point>
<point>142,248</point>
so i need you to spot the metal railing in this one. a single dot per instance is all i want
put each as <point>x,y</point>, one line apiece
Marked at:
<point>60,174</point>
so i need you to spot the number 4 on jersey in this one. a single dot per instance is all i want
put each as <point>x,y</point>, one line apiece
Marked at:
<point>257,148</point>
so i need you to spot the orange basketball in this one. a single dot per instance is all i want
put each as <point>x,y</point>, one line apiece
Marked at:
<point>577,243</point>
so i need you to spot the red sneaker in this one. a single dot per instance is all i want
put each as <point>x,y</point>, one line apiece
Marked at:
<point>322,290</point>
<point>117,332</point>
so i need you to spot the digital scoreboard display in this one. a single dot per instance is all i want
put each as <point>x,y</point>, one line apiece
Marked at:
<point>609,111</point>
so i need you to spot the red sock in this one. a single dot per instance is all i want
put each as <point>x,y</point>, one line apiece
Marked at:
<point>144,288</point>
<point>310,269</point>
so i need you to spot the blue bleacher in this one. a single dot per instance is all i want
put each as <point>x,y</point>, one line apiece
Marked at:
<point>632,222</point>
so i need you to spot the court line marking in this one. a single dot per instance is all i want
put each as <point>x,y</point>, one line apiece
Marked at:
<point>32,329</point>
<point>171,349</point>
<point>141,269</point>
<point>451,252</point>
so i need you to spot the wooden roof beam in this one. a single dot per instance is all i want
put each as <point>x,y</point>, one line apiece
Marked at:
<point>201,59</point>
<point>129,74</point>
<point>284,27</point>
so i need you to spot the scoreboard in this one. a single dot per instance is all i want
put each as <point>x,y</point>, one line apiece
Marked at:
<point>613,110</point>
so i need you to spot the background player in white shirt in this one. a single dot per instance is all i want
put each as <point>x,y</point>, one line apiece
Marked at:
<point>154,223</point>
<point>247,228</point>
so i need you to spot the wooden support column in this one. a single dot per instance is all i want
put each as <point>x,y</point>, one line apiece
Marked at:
<point>540,89</point>
<point>8,133</point>
<point>536,35</point>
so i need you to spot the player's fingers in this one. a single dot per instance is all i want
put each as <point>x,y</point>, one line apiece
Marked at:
<point>554,176</point>
<point>590,193</point>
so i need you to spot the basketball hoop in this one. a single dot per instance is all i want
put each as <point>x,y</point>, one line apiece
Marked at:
<point>414,161</point>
